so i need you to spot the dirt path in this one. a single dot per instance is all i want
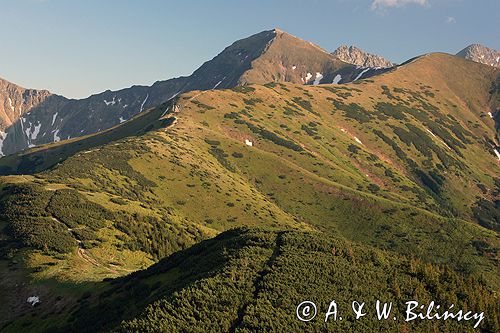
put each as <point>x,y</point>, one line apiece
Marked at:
<point>87,258</point>
<point>81,250</point>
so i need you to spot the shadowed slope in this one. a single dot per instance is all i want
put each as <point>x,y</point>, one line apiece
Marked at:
<point>252,280</point>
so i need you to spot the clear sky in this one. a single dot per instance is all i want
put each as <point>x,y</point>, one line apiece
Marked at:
<point>77,48</point>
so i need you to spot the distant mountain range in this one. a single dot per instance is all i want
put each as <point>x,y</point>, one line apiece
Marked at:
<point>30,118</point>
<point>481,54</point>
<point>269,56</point>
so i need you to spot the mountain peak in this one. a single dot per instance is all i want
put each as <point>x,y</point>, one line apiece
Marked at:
<point>482,54</point>
<point>356,56</point>
<point>288,58</point>
<point>268,56</point>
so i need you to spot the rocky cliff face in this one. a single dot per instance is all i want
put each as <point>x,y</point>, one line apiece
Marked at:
<point>15,101</point>
<point>481,54</point>
<point>358,57</point>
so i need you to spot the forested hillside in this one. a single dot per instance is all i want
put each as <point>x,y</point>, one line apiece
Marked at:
<point>248,280</point>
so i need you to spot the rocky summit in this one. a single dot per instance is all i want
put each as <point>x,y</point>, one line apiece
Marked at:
<point>356,56</point>
<point>481,54</point>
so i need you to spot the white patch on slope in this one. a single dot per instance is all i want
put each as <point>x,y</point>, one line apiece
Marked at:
<point>308,77</point>
<point>441,140</point>
<point>497,153</point>
<point>10,104</point>
<point>144,102</point>
<point>354,137</point>
<point>165,112</point>
<point>337,79</point>
<point>54,117</point>
<point>249,143</point>
<point>177,93</point>
<point>293,67</point>
<point>318,78</point>
<point>428,130</point>
<point>22,124</point>
<point>56,136</point>
<point>28,131</point>
<point>35,133</point>
<point>3,136</point>
<point>489,114</point>
<point>121,120</point>
<point>110,102</point>
<point>361,74</point>
<point>217,83</point>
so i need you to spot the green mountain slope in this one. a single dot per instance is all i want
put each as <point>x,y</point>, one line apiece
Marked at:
<point>401,162</point>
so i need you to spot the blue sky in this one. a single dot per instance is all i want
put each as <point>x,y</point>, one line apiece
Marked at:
<point>77,48</point>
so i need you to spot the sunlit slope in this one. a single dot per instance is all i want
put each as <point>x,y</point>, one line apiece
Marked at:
<point>401,161</point>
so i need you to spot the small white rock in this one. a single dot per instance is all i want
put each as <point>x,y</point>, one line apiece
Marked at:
<point>33,300</point>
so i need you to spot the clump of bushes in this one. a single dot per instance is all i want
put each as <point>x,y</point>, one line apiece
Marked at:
<point>243,89</point>
<point>237,155</point>
<point>273,137</point>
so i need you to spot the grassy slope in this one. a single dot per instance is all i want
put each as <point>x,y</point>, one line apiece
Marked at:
<point>200,177</point>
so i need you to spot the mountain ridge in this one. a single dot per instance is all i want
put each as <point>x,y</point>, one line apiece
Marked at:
<point>16,101</point>
<point>243,62</point>
<point>421,149</point>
